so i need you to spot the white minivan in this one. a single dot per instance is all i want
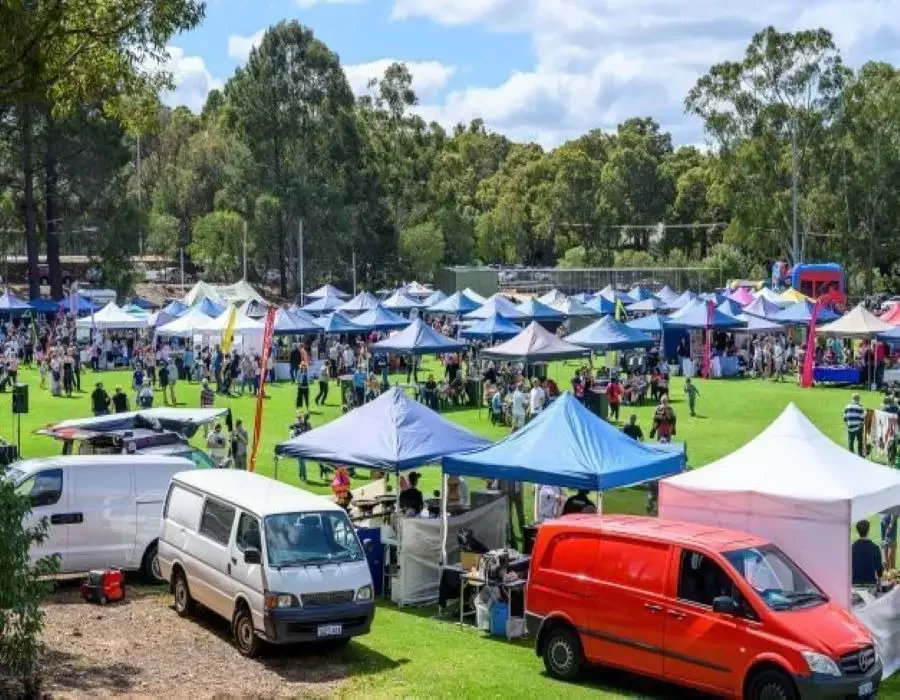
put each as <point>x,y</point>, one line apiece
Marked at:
<point>103,510</point>
<point>283,565</point>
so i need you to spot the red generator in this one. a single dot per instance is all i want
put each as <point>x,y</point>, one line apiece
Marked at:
<point>103,586</point>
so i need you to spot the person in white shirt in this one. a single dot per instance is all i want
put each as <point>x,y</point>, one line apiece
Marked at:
<point>518,408</point>
<point>550,502</point>
<point>535,399</point>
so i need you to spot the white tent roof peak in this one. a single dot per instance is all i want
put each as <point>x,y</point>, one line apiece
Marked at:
<point>858,323</point>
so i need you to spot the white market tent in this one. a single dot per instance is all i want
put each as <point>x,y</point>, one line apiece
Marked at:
<point>201,290</point>
<point>185,326</point>
<point>243,324</point>
<point>111,317</point>
<point>769,295</point>
<point>793,486</point>
<point>859,323</point>
<point>239,292</point>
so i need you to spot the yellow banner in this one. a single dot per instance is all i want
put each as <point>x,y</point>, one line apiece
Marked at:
<point>228,335</point>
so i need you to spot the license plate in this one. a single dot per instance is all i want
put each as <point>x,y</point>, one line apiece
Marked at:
<point>334,630</point>
<point>865,689</point>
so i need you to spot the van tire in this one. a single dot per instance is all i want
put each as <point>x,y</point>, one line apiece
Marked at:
<point>150,566</point>
<point>771,684</point>
<point>563,654</point>
<point>184,604</point>
<point>246,640</point>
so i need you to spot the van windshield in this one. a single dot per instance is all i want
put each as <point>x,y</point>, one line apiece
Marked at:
<point>304,539</point>
<point>779,581</point>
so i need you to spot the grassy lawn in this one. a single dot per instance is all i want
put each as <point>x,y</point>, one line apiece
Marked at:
<point>410,654</point>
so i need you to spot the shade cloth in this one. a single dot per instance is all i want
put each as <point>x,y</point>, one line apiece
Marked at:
<point>392,433</point>
<point>380,319</point>
<point>608,334</point>
<point>497,304</point>
<point>567,445</point>
<point>418,338</point>
<point>327,290</point>
<point>794,487</point>
<point>111,317</point>
<point>491,328</point>
<point>858,323</point>
<point>534,310</point>
<point>361,302</point>
<point>534,344</point>
<point>456,304</point>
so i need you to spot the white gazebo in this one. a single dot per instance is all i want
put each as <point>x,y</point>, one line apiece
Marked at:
<point>858,323</point>
<point>185,326</point>
<point>109,318</point>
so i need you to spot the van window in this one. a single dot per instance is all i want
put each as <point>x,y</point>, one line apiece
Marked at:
<point>301,539</point>
<point>573,554</point>
<point>633,563</point>
<point>43,488</point>
<point>183,507</point>
<point>701,579</point>
<point>216,521</point>
<point>248,533</point>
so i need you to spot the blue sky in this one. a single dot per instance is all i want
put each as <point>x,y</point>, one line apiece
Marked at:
<point>536,70</point>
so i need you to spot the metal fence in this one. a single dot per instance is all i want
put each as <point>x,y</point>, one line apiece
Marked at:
<point>541,280</point>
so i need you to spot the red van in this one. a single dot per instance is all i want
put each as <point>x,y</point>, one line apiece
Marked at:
<point>720,611</point>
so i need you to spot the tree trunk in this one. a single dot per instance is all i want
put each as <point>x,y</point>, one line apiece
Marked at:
<point>282,267</point>
<point>28,203</point>
<point>871,266</point>
<point>51,210</point>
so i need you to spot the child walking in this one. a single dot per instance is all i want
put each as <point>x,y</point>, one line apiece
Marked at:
<point>692,393</point>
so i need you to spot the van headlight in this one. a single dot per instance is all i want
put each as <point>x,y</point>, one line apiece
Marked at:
<point>281,600</point>
<point>364,594</point>
<point>821,664</point>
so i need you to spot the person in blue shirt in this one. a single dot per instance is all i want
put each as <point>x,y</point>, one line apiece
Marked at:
<point>865,557</point>
<point>359,384</point>
<point>188,363</point>
<point>497,407</point>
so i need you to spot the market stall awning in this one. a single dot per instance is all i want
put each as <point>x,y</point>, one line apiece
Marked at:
<point>474,296</point>
<point>681,301</point>
<point>436,297</point>
<point>243,325</point>
<point>295,323</point>
<point>640,293</point>
<point>497,304</point>
<point>336,323</point>
<point>418,338</point>
<point>185,326</point>
<point>755,324</point>
<point>651,304</point>
<point>44,306</point>
<point>209,307</point>
<point>456,304</point>
<point>327,290</point>
<point>799,314</point>
<point>175,309</point>
<point>702,314</point>
<point>763,308</point>
<point>111,317</point>
<point>11,305</point>
<point>324,304</point>
<point>416,290</point>
<point>393,433</point>
<point>774,297</point>
<point>533,310</point>
<point>608,334</point>
<point>614,295</point>
<point>653,323</point>
<point>567,445</point>
<point>859,322</point>
<point>534,344</point>
<point>571,308</point>
<point>552,298</point>
<point>729,307</point>
<point>492,328</point>
<point>82,304</point>
<point>601,305</point>
<point>380,319</point>
<point>667,294</point>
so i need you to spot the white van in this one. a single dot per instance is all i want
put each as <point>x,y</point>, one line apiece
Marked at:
<point>103,511</point>
<point>283,565</point>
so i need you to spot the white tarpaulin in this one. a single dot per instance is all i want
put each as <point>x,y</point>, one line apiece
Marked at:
<point>794,487</point>
<point>111,317</point>
<point>419,550</point>
<point>882,618</point>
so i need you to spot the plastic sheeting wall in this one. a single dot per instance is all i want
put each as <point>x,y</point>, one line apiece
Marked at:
<point>420,549</point>
<point>882,617</point>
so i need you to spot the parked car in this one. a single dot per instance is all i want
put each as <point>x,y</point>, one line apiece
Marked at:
<point>717,610</point>
<point>103,510</point>
<point>283,565</point>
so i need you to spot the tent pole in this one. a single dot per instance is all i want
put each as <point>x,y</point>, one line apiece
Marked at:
<point>599,502</point>
<point>444,524</point>
<point>276,468</point>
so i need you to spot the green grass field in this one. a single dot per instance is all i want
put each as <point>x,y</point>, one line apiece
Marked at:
<point>408,653</point>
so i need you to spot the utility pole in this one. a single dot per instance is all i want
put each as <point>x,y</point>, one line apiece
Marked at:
<point>300,254</point>
<point>140,196</point>
<point>244,277</point>
<point>354,273</point>
<point>795,236</point>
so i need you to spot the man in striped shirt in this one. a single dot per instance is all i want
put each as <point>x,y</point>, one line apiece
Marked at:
<point>854,416</point>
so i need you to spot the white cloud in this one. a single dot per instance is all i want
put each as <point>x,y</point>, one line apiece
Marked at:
<point>597,62</point>
<point>192,79</point>
<point>309,3</point>
<point>428,77</point>
<point>239,47</point>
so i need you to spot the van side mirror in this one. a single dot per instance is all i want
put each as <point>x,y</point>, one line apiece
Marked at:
<point>252,556</point>
<point>726,605</point>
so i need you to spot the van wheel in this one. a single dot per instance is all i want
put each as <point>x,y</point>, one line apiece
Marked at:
<point>150,570</point>
<point>562,654</point>
<point>245,638</point>
<point>184,604</point>
<point>771,684</point>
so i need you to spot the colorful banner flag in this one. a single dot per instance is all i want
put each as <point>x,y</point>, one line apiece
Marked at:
<point>260,405</point>
<point>707,355</point>
<point>809,359</point>
<point>228,335</point>
<point>621,316</point>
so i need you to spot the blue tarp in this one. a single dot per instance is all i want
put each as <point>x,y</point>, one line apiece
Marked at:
<point>44,306</point>
<point>380,319</point>
<point>175,309</point>
<point>418,339</point>
<point>493,327</point>
<point>601,304</point>
<point>361,302</point>
<point>609,334</point>
<point>639,293</point>
<point>800,313</point>
<point>567,445</point>
<point>696,315</point>
<point>534,310</point>
<point>392,433</point>
<point>209,307</point>
<point>649,304</point>
<point>323,305</point>
<point>456,304</point>
<point>11,305</point>
<point>337,324</point>
<point>436,297</point>
<point>295,323</point>
<point>144,303</point>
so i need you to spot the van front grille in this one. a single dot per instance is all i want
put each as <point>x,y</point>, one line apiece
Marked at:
<point>326,598</point>
<point>857,662</point>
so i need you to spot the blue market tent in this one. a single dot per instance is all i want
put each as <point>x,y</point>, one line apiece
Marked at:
<point>491,328</point>
<point>327,290</point>
<point>436,297</point>
<point>601,305</point>
<point>730,307</point>
<point>361,302</point>
<point>337,324</point>
<point>608,334</point>
<point>648,304</point>
<point>800,313</point>
<point>295,323</point>
<point>399,301</point>
<point>534,344</point>
<point>667,294</point>
<point>639,293</point>
<point>175,309</point>
<point>83,305</point>
<point>763,308</point>
<point>380,319</point>
<point>209,307</point>
<point>680,302</point>
<point>418,338</point>
<point>653,323</point>
<point>614,295</point>
<point>533,310</point>
<point>44,306</point>
<point>892,336</point>
<point>11,305</point>
<point>570,308</point>
<point>497,304</point>
<point>456,304</point>
<point>145,304</point>
<point>697,315</point>
<point>760,325</point>
<point>392,433</point>
<point>324,305</point>
<point>583,297</point>
<point>567,445</point>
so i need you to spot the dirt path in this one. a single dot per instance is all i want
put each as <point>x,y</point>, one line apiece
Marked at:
<point>141,648</point>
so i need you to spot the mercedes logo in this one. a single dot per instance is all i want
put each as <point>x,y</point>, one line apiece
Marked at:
<point>866,660</point>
